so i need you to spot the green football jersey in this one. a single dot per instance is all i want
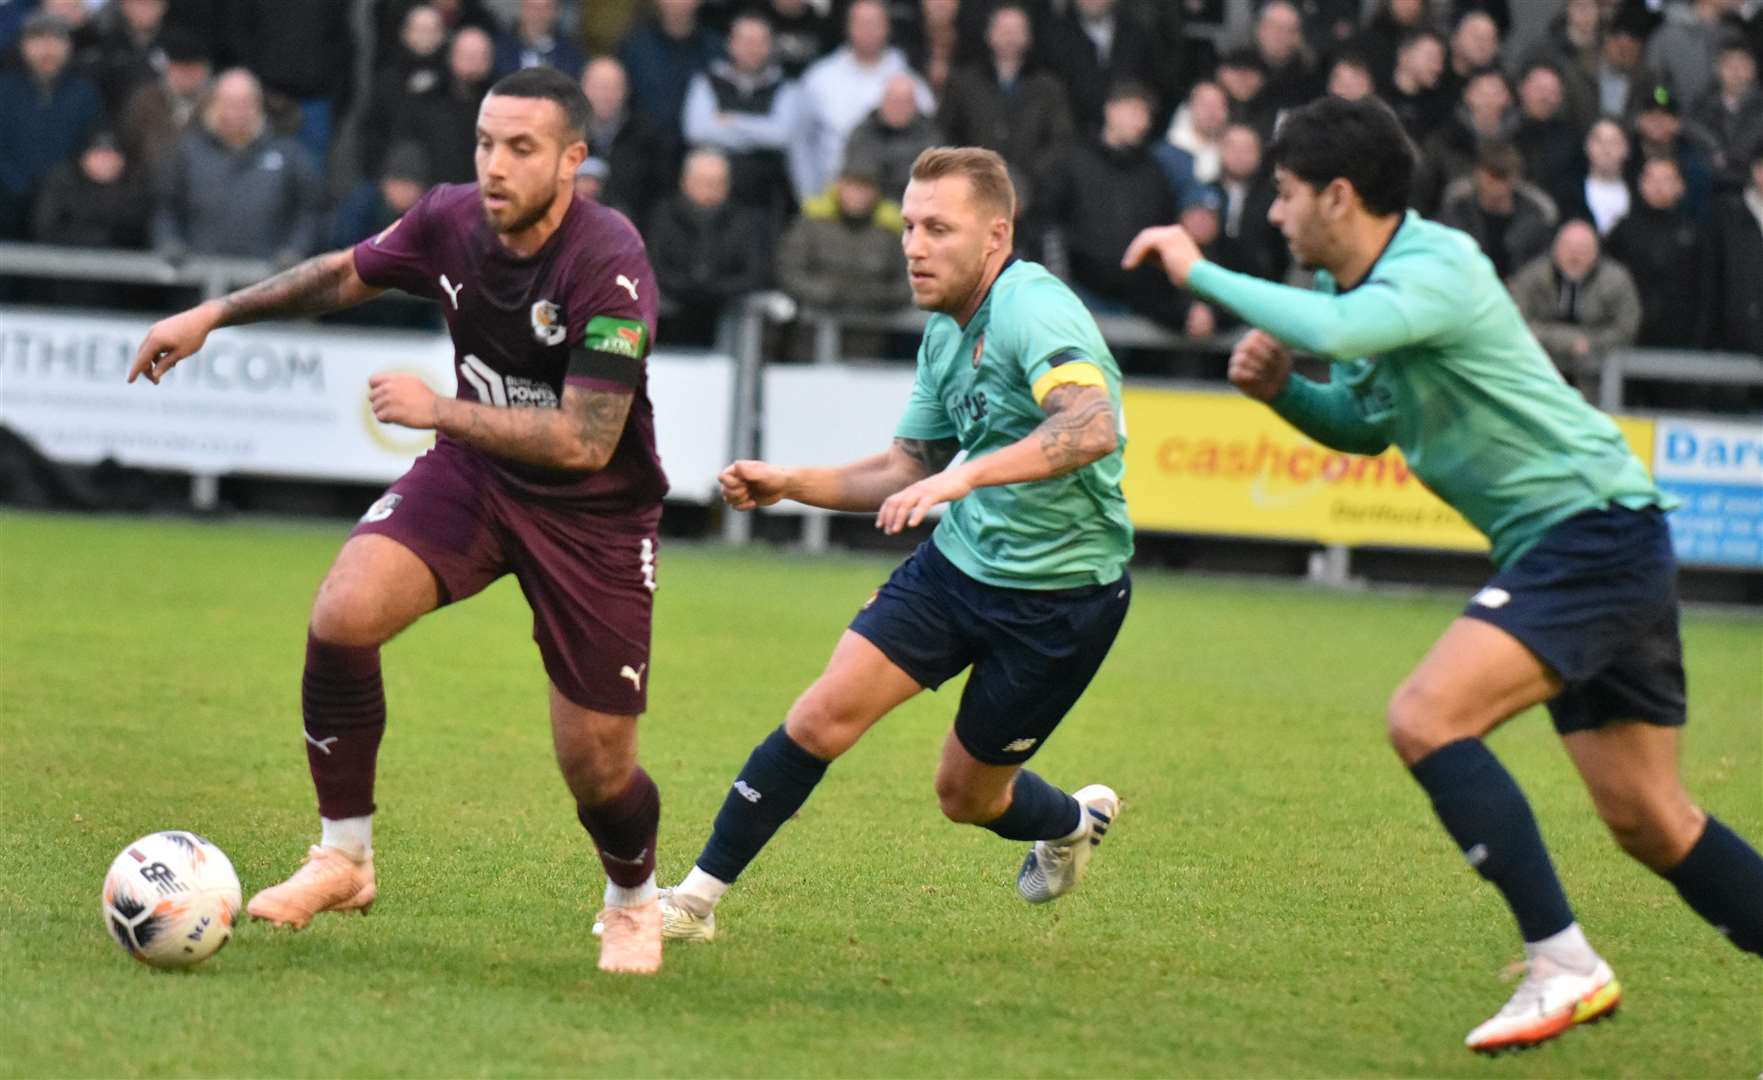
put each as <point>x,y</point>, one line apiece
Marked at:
<point>983,385</point>
<point>1435,358</point>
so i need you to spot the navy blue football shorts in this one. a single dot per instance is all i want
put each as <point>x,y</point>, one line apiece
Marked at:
<point>1596,600</point>
<point>1033,651</point>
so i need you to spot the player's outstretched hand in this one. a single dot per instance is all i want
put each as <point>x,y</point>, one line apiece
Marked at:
<point>170,340</point>
<point>1260,365</point>
<point>748,485</point>
<point>907,507</point>
<point>1173,247</point>
<point>404,399</point>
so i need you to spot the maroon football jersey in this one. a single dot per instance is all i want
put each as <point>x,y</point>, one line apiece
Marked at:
<point>580,310</point>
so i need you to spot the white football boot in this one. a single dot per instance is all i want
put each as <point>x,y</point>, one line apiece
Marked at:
<point>1053,869</point>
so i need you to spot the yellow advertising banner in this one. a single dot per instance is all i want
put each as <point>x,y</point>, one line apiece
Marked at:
<point>1200,462</point>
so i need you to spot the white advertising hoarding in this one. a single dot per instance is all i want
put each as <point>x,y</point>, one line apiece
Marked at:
<point>280,400</point>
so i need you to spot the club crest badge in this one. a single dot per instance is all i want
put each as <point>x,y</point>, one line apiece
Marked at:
<point>548,325</point>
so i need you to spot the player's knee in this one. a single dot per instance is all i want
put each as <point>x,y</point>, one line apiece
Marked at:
<point>822,726</point>
<point>964,806</point>
<point>342,616</point>
<point>1414,722</point>
<point>1657,833</point>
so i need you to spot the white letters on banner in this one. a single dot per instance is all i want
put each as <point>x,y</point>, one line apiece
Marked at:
<point>286,401</point>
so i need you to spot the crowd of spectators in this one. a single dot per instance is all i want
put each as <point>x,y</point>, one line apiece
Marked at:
<point>1612,171</point>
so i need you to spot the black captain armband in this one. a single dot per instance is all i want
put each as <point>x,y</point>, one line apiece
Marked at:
<point>611,349</point>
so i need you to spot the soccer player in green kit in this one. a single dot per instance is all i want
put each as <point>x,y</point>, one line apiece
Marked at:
<point>1024,579</point>
<point>1432,356</point>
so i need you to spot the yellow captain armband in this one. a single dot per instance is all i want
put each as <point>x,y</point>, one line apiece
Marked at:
<point>1070,373</point>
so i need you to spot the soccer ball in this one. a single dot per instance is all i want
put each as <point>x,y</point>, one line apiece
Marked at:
<point>170,899</point>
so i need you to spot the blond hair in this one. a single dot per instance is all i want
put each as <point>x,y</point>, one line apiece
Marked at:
<point>985,171</point>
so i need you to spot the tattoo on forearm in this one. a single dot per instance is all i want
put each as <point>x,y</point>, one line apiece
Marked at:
<point>1079,427</point>
<point>311,288</point>
<point>582,434</point>
<point>598,417</point>
<point>933,454</point>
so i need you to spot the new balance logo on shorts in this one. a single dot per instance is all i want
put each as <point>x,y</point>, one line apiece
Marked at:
<point>746,791</point>
<point>1017,746</point>
<point>1492,597</point>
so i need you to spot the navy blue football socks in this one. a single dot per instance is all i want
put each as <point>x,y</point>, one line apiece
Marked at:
<point>1485,812</point>
<point>772,786</point>
<point>1037,811</point>
<point>1721,879</point>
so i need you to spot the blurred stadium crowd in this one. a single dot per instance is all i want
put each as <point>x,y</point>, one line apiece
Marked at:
<point>1613,171</point>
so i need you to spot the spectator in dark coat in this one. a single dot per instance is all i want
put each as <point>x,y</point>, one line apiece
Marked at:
<point>98,201</point>
<point>1486,115</point>
<point>1007,106</point>
<point>1247,242</point>
<point>1731,112</point>
<point>1578,305</point>
<point>1659,131</point>
<point>891,138</point>
<point>1621,77</point>
<point>417,67</point>
<point>1735,266</point>
<point>236,188</point>
<point>1474,47</point>
<point>1279,41</point>
<point>800,34</point>
<point>641,155</point>
<point>1107,191</point>
<point>304,54</point>
<point>1599,191</point>
<point>1662,247</point>
<point>128,50</point>
<point>748,109</point>
<point>1511,226</point>
<point>1547,138</point>
<point>1349,78</point>
<point>1572,48</point>
<point>390,15</point>
<point>537,41</point>
<point>844,251</point>
<point>660,55</point>
<point>158,113</point>
<point>46,115</point>
<point>1243,78</point>
<point>1096,45</point>
<point>706,249</point>
<point>1414,92</point>
<point>1393,21</point>
<point>444,121</point>
<point>374,204</point>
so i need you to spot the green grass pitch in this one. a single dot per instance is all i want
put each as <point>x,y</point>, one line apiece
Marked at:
<point>1277,901</point>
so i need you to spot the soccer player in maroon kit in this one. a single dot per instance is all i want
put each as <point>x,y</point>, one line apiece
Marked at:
<point>544,467</point>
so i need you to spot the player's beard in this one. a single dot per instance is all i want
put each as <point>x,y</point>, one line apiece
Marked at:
<point>522,223</point>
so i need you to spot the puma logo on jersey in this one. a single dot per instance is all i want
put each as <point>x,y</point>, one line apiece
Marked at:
<point>451,290</point>
<point>635,675</point>
<point>627,284</point>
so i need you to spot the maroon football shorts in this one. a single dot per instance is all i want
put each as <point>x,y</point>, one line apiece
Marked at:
<point>589,576</point>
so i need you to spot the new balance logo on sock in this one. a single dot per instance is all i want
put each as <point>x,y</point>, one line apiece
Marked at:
<point>322,744</point>
<point>1017,746</point>
<point>1475,856</point>
<point>638,861</point>
<point>746,791</point>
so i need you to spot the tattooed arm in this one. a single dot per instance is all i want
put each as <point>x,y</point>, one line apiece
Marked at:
<point>1080,428</point>
<point>859,486</point>
<point>323,283</point>
<point>579,436</point>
